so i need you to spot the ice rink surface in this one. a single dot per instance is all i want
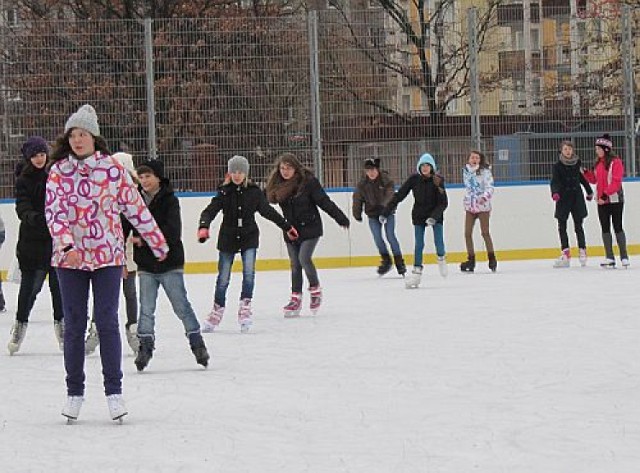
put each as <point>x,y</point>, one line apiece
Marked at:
<point>529,370</point>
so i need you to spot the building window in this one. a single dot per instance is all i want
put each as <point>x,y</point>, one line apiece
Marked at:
<point>406,103</point>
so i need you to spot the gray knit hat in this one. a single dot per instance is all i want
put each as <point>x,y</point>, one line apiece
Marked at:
<point>239,164</point>
<point>85,118</point>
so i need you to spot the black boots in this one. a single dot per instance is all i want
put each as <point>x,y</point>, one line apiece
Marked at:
<point>400,266</point>
<point>145,352</point>
<point>385,265</point>
<point>469,265</point>
<point>493,262</point>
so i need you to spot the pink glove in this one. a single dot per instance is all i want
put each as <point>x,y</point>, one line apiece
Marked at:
<point>555,197</point>
<point>203,235</point>
<point>481,200</point>
<point>589,197</point>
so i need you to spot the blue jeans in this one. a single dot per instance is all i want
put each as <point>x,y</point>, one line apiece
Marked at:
<point>438,238</point>
<point>390,231</point>
<point>225,262</point>
<point>173,284</point>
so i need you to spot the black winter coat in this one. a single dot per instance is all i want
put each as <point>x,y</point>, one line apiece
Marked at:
<point>374,195</point>
<point>430,201</point>
<point>566,181</point>
<point>239,204</point>
<point>34,240</point>
<point>165,208</point>
<point>301,210</point>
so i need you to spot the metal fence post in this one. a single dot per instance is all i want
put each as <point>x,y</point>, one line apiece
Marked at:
<point>474,83</point>
<point>314,75</point>
<point>629,102</point>
<point>149,81</point>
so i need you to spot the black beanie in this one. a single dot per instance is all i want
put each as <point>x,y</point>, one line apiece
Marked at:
<point>155,166</point>
<point>372,163</point>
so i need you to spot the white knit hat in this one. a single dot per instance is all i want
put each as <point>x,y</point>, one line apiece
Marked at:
<point>85,118</point>
<point>127,161</point>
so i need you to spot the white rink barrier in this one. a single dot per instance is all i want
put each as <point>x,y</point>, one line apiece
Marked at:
<point>522,227</point>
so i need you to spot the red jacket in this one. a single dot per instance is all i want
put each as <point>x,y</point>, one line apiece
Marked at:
<point>608,181</point>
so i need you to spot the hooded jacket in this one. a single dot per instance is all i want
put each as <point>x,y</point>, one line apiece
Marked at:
<point>84,199</point>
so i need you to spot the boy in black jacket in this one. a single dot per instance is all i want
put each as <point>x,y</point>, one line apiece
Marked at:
<point>168,273</point>
<point>239,200</point>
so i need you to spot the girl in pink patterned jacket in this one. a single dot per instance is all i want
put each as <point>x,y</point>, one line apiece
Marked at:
<point>86,191</point>
<point>478,192</point>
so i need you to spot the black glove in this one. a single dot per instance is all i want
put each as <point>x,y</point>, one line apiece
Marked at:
<point>357,218</point>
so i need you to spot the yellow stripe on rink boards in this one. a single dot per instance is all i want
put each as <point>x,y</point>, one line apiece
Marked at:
<point>362,261</point>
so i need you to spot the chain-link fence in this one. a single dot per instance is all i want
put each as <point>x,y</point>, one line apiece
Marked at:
<point>334,86</point>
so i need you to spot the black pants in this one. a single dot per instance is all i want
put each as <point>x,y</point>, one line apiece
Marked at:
<point>611,213</point>
<point>30,286</point>
<point>564,238</point>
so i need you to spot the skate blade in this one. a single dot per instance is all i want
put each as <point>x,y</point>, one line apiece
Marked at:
<point>70,419</point>
<point>119,419</point>
<point>292,314</point>
<point>245,328</point>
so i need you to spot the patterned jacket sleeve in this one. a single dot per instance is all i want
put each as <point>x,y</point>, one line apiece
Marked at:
<point>56,211</point>
<point>135,210</point>
<point>488,183</point>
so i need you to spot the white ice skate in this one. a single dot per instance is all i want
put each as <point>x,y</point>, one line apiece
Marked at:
<point>625,263</point>
<point>18,332</point>
<point>71,409</point>
<point>608,263</point>
<point>244,315</point>
<point>117,409</point>
<point>412,281</point>
<point>442,266</point>
<point>582,257</point>
<point>212,320</point>
<point>564,261</point>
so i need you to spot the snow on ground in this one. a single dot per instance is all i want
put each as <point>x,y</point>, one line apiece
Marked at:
<point>529,370</point>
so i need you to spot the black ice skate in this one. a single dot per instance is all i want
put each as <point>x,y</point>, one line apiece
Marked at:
<point>199,349</point>
<point>145,353</point>
<point>385,265</point>
<point>470,265</point>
